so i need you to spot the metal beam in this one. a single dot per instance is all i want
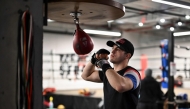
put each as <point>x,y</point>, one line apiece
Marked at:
<point>170,74</point>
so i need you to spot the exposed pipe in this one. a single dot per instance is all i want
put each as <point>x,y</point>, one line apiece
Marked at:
<point>136,15</point>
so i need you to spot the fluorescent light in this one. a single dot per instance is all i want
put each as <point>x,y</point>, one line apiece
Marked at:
<point>182,33</point>
<point>172,3</point>
<point>109,33</point>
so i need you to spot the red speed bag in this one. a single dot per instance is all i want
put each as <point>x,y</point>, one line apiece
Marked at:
<point>82,43</point>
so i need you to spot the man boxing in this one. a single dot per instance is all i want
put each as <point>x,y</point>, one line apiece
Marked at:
<point>121,84</point>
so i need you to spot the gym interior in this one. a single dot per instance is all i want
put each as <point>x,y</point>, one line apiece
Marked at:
<point>40,67</point>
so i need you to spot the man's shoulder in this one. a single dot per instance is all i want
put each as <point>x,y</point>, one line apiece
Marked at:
<point>129,68</point>
<point>132,71</point>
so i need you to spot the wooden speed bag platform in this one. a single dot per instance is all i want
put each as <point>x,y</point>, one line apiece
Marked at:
<point>93,12</point>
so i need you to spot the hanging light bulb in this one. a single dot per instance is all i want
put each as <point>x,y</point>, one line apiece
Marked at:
<point>158,26</point>
<point>179,23</point>
<point>187,17</point>
<point>172,28</point>
<point>140,24</point>
<point>162,20</point>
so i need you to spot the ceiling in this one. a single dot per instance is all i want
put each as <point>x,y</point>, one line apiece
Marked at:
<point>136,11</point>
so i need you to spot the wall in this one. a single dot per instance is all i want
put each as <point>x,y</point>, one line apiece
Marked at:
<point>61,43</point>
<point>9,79</point>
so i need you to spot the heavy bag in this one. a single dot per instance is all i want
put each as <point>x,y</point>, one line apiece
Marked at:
<point>82,43</point>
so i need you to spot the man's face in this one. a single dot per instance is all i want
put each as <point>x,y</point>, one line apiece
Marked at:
<point>117,55</point>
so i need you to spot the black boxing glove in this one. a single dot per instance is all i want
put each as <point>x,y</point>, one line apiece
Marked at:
<point>93,59</point>
<point>103,64</point>
<point>101,51</point>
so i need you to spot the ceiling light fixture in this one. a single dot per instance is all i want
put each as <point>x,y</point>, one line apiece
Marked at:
<point>158,26</point>
<point>49,20</point>
<point>110,21</point>
<point>162,20</point>
<point>172,3</point>
<point>140,24</point>
<point>99,32</point>
<point>172,28</point>
<point>187,17</point>
<point>182,33</point>
<point>179,23</point>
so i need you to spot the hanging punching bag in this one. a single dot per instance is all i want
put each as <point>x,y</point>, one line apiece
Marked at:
<point>82,43</point>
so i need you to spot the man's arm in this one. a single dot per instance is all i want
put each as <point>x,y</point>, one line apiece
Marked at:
<point>90,74</point>
<point>130,79</point>
<point>118,82</point>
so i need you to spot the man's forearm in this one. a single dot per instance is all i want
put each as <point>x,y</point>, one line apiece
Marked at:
<point>88,70</point>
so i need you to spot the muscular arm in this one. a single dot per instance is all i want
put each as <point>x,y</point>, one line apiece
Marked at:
<point>121,83</point>
<point>118,82</point>
<point>90,74</point>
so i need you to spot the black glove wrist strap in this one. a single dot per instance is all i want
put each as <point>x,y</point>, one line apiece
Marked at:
<point>93,59</point>
<point>105,67</point>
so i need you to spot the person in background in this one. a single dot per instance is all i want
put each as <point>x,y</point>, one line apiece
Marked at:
<point>121,84</point>
<point>150,92</point>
